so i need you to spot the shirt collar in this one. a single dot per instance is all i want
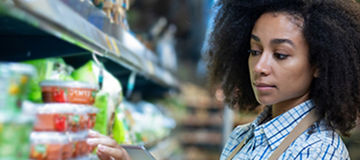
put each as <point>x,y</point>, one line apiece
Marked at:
<point>279,127</point>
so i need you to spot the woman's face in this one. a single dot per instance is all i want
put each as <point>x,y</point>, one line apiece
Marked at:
<point>279,66</point>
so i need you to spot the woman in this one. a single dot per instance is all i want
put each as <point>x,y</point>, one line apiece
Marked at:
<point>297,57</point>
<point>301,58</point>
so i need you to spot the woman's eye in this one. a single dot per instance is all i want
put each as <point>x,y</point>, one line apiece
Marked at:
<point>280,56</point>
<point>254,52</point>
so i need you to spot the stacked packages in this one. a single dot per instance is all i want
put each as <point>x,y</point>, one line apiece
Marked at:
<point>63,121</point>
<point>65,104</point>
<point>15,122</point>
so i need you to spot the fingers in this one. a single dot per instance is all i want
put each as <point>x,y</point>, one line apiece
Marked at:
<point>109,153</point>
<point>108,149</point>
<point>104,141</point>
<point>94,134</point>
<point>102,156</point>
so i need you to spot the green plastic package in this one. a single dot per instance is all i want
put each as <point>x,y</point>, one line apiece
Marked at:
<point>101,102</point>
<point>15,136</point>
<point>118,130</point>
<point>87,73</point>
<point>121,131</point>
<point>47,69</point>
<point>109,96</point>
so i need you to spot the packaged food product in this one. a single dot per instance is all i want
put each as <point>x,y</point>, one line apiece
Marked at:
<point>121,132</point>
<point>49,146</point>
<point>102,100</point>
<point>68,92</point>
<point>61,117</point>
<point>68,149</point>
<point>108,97</point>
<point>80,147</point>
<point>14,136</point>
<point>74,138</point>
<point>74,122</point>
<point>47,69</point>
<point>83,147</point>
<point>14,80</point>
<point>53,117</point>
<point>92,117</point>
<point>79,119</point>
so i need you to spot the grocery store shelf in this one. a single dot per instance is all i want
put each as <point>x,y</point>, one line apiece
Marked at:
<point>202,153</point>
<point>195,121</point>
<point>43,28</point>
<point>209,107</point>
<point>202,137</point>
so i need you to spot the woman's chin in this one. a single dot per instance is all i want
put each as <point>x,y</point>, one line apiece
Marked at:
<point>265,101</point>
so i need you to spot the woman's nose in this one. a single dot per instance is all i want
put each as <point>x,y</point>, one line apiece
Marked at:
<point>263,65</point>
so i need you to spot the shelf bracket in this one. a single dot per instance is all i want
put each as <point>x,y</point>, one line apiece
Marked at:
<point>131,84</point>
<point>101,71</point>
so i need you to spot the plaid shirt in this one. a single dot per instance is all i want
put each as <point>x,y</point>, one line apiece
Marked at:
<point>318,142</point>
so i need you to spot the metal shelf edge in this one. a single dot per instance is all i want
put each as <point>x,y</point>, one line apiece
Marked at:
<point>47,15</point>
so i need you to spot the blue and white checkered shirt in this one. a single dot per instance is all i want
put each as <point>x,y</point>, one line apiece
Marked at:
<point>318,142</point>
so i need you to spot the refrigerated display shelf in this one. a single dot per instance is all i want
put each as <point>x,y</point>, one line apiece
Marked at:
<point>52,28</point>
<point>202,154</point>
<point>195,121</point>
<point>203,137</point>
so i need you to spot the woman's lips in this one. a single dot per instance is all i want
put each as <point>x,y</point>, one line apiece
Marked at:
<point>264,86</point>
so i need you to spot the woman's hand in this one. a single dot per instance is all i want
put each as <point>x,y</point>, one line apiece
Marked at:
<point>108,149</point>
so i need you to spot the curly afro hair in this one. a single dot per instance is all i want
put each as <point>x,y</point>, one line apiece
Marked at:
<point>332,31</point>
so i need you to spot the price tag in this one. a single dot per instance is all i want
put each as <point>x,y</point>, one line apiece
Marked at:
<point>117,51</point>
<point>151,67</point>
<point>108,42</point>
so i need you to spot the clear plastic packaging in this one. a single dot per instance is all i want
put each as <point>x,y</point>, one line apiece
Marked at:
<point>14,78</point>
<point>54,91</point>
<point>14,136</point>
<point>79,120</point>
<point>80,147</point>
<point>84,117</point>
<point>49,146</point>
<point>61,117</point>
<point>92,117</point>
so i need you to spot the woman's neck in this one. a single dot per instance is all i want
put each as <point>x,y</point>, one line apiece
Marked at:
<point>282,107</point>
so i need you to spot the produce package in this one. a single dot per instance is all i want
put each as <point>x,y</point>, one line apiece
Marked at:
<point>92,117</point>
<point>14,86</point>
<point>129,111</point>
<point>56,145</point>
<point>50,146</point>
<point>78,141</point>
<point>95,74</point>
<point>101,103</point>
<point>55,91</point>
<point>149,123</point>
<point>47,69</point>
<point>108,97</point>
<point>121,131</point>
<point>14,136</point>
<point>62,117</point>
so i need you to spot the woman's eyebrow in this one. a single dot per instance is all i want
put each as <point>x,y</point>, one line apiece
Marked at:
<point>274,41</point>
<point>256,38</point>
<point>279,41</point>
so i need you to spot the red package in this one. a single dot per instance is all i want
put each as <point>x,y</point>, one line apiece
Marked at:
<point>54,91</point>
<point>48,146</point>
